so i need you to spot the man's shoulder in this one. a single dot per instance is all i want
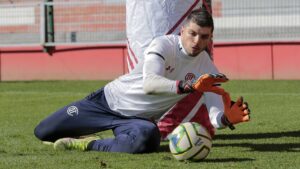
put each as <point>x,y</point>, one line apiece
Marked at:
<point>166,39</point>
<point>163,45</point>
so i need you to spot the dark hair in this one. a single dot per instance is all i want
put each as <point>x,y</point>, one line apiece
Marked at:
<point>201,17</point>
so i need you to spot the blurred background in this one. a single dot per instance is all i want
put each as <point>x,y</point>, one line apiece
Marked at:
<point>86,40</point>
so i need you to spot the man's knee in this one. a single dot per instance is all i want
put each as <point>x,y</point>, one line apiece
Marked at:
<point>43,133</point>
<point>38,132</point>
<point>147,139</point>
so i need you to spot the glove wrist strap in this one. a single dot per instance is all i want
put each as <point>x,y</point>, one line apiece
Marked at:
<point>184,87</point>
<point>226,122</point>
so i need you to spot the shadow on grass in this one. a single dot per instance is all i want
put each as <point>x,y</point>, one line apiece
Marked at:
<point>223,160</point>
<point>260,147</point>
<point>257,135</point>
<point>263,147</point>
<point>286,147</point>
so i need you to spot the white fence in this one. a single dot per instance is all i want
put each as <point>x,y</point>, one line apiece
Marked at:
<point>103,21</point>
<point>86,22</point>
<point>256,20</point>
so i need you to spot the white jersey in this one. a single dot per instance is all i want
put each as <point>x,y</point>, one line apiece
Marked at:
<point>151,90</point>
<point>147,19</point>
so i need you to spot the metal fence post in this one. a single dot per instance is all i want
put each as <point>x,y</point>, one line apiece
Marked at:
<point>49,27</point>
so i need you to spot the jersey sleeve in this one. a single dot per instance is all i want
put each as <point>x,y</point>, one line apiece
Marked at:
<point>154,81</point>
<point>214,102</point>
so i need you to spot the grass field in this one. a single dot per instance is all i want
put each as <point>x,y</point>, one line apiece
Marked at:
<point>270,140</point>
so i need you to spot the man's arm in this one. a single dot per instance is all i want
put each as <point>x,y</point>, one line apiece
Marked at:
<point>153,75</point>
<point>155,82</point>
<point>215,107</point>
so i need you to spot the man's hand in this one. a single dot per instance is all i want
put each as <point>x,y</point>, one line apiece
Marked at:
<point>205,83</point>
<point>209,83</point>
<point>234,113</point>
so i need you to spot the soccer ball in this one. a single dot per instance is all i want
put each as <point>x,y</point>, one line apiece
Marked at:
<point>190,141</point>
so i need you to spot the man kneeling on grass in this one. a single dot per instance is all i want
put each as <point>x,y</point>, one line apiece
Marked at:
<point>174,66</point>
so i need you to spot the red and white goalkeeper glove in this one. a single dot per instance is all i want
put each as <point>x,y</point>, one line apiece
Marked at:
<point>234,112</point>
<point>205,83</point>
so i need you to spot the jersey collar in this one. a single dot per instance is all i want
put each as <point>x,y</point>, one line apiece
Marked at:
<point>183,52</point>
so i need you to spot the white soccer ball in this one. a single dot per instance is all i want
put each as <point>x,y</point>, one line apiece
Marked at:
<point>190,141</point>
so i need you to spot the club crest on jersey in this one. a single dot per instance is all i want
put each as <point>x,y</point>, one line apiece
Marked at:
<point>190,77</point>
<point>72,111</point>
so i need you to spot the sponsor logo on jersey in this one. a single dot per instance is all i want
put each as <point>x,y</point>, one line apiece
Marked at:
<point>72,111</point>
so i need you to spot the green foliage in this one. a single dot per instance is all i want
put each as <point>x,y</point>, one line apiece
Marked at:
<point>270,140</point>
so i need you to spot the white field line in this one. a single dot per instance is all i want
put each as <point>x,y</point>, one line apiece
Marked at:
<point>86,93</point>
<point>266,94</point>
<point>41,93</point>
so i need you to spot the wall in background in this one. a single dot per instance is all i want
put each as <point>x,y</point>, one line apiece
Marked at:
<point>237,61</point>
<point>276,60</point>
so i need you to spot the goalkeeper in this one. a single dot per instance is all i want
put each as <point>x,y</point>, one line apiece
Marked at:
<point>163,18</point>
<point>174,66</point>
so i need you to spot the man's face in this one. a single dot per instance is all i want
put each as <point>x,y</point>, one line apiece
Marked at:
<point>195,38</point>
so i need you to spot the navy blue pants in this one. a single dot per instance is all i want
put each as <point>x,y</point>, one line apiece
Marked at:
<point>91,115</point>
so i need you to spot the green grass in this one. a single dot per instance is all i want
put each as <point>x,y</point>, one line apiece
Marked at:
<point>270,140</point>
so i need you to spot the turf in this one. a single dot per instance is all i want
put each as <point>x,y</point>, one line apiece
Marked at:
<point>270,140</point>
